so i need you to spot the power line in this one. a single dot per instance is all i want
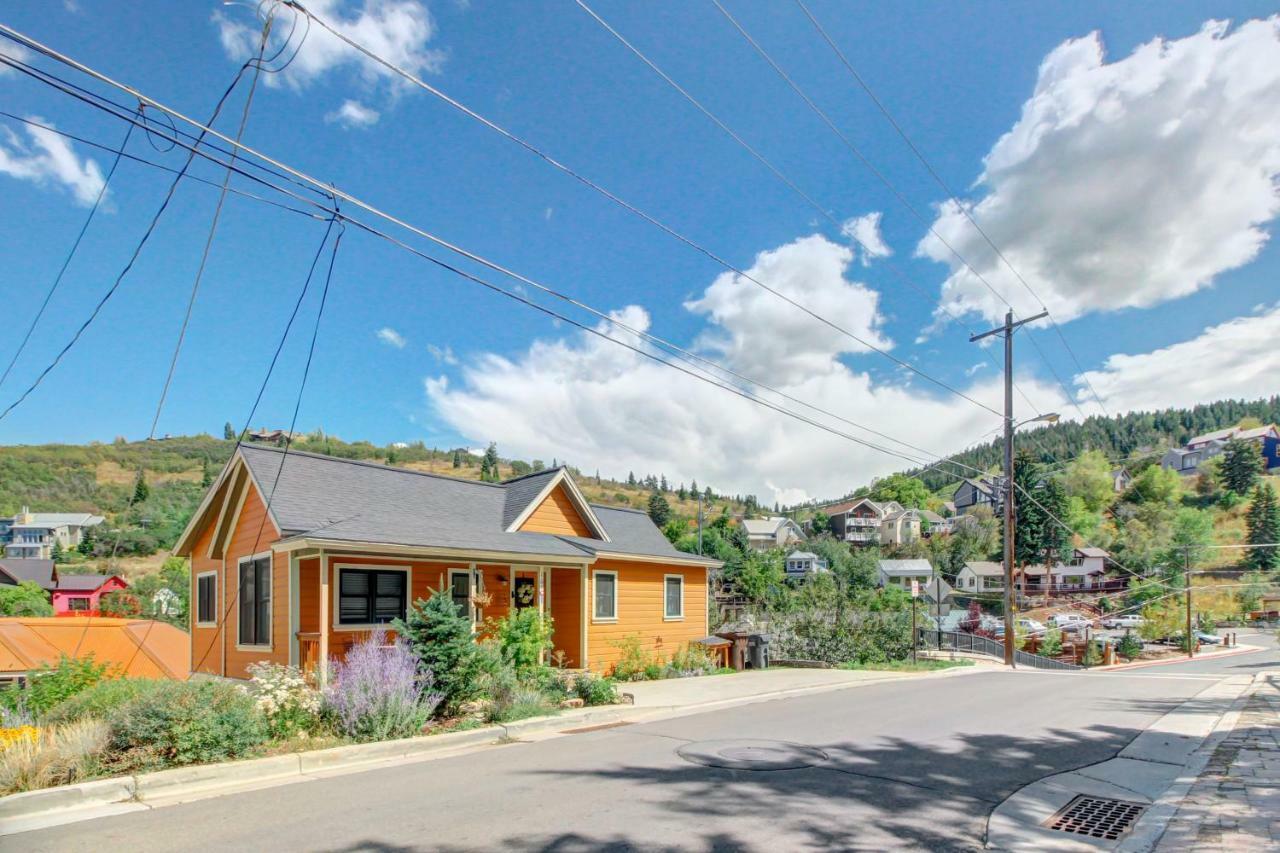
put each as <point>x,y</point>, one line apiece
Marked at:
<point>964,209</point>
<point>612,197</point>
<point>75,245</point>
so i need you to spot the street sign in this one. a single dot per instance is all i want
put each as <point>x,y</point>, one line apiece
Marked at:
<point>915,588</point>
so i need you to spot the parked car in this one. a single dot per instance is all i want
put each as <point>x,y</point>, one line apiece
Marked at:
<point>1127,620</point>
<point>1031,627</point>
<point>1072,623</point>
<point>1208,639</point>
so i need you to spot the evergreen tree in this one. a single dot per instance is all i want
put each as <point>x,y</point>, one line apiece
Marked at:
<point>659,509</point>
<point>821,523</point>
<point>631,478</point>
<point>392,458</point>
<point>707,495</point>
<point>206,474</point>
<point>489,464</point>
<point>141,491</point>
<point>229,432</point>
<point>87,539</point>
<point>693,487</point>
<point>682,492</point>
<point>55,553</point>
<point>1263,523</point>
<point>457,459</point>
<point>439,635</point>
<point>1242,465</point>
<point>662,485</point>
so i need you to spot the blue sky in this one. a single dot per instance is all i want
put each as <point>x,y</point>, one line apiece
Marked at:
<point>956,76</point>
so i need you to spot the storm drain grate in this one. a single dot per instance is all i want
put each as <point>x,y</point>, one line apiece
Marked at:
<point>1097,817</point>
<point>597,728</point>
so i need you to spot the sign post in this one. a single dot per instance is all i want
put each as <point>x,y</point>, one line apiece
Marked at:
<point>915,593</point>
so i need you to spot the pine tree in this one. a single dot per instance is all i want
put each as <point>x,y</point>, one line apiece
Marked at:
<point>693,487</point>
<point>489,465</point>
<point>87,539</point>
<point>229,432</point>
<point>457,459</point>
<point>141,491</point>
<point>631,478</point>
<point>659,509</point>
<point>439,635</point>
<point>206,474</point>
<point>662,485</point>
<point>392,458</point>
<point>1242,465</point>
<point>55,553</point>
<point>1263,524</point>
<point>682,492</point>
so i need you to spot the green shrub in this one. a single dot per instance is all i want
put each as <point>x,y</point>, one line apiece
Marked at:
<point>521,703</point>
<point>654,672</point>
<point>594,690</point>
<point>632,660</point>
<point>1051,644</point>
<point>184,722</point>
<point>525,636</point>
<point>24,599</point>
<point>1092,657</point>
<point>440,637</point>
<point>283,695</point>
<point>1129,646</point>
<point>548,680</point>
<point>49,685</point>
<point>693,659</point>
<point>100,699</point>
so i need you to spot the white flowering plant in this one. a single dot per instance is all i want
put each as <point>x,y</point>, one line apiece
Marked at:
<point>289,703</point>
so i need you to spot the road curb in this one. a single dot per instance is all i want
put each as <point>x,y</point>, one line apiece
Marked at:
<point>1149,769</point>
<point>1118,667</point>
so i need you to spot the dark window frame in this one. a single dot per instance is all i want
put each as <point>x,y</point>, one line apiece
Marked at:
<point>256,600</point>
<point>370,596</point>
<point>209,617</point>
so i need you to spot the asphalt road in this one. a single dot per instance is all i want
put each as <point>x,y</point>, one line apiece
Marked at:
<point>1233,664</point>
<point>910,764</point>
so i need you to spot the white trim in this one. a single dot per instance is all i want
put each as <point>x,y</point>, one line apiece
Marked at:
<point>203,507</point>
<point>356,548</point>
<point>604,619</point>
<point>667,617</point>
<point>227,500</point>
<point>584,609</point>
<point>335,585</point>
<point>575,495</point>
<point>271,592</point>
<point>469,574</point>
<point>295,611</point>
<point>214,574</point>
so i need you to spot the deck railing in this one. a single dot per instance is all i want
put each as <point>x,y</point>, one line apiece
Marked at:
<point>961,641</point>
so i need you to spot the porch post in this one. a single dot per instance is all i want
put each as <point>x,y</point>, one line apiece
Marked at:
<point>295,612</point>
<point>583,661</point>
<point>323,670</point>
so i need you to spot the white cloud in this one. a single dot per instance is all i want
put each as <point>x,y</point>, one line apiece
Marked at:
<point>397,30</point>
<point>14,51</point>
<point>47,158</point>
<point>443,355</point>
<point>391,337</point>
<point>546,214</point>
<point>758,334</point>
<point>970,371</point>
<point>1128,183</point>
<point>1235,359</point>
<point>603,406</point>
<point>865,231</point>
<point>353,114</point>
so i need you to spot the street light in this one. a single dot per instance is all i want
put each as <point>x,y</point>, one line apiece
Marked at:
<point>1050,418</point>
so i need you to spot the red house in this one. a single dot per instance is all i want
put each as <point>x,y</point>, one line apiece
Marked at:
<point>80,594</point>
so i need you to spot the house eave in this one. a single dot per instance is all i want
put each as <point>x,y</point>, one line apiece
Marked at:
<point>335,546</point>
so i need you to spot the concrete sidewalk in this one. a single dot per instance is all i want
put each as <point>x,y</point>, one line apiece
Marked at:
<point>1234,803</point>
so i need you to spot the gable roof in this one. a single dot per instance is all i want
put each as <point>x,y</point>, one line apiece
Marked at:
<point>1235,432</point>
<point>766,526</point>
<point>39,571</point>
<point>880,507</point>
<point>905,568</point>
<point>144,649</point>
<point>985,568</point>
<point>58,519</point>
<point>83,583</point>
<point>525,494</point>
<point>327,499</point>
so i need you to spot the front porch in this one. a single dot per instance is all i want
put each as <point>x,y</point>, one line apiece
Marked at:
<point>338,597</point>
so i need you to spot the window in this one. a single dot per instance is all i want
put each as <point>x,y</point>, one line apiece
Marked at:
<point>460,590</point>
<point>80,602</point>
<point>255,601</point>
<point>606,594</point>
<point>207,599</point>
<point>673,597</point>
<point>371,596</point>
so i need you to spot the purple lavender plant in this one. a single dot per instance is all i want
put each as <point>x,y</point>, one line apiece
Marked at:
<point>377,693</point>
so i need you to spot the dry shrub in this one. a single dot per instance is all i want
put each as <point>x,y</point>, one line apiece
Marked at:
<point>59,755</point>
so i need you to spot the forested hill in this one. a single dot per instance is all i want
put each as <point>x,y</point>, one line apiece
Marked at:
<point>1120,437</point>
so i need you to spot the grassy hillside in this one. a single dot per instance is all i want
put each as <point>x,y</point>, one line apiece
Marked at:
<point>101,478</point>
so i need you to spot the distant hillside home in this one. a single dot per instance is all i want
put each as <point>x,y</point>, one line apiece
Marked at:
<point>863,521</point>
<point>980,576</point>
<point>83,593</point>
<point>1084,572</point>
<point>801,564</point>
<point>903,572</point>
<point>41,572</point>
<point>345,547</point>
<point>1120,480</point>
<point>139,647</point>
<point>985,491</point>
<point>932,524</point>
<point>32,535</point>
<point>1187,459</point>
<point>773,532</point>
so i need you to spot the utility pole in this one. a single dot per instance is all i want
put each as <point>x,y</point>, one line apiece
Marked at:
<point>1007,330</point>
<point>1186,569</point>
<point>699,524</point>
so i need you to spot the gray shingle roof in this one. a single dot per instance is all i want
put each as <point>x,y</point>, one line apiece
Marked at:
<point>40,571</point>
<point>81,583</point>
<point>985,568</point>
<point>906,568</point>
<point>322,497</point>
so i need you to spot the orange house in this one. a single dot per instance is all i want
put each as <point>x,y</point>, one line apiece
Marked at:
<point>296,556</point>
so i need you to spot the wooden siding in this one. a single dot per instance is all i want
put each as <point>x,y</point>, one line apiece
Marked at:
<point>640,612</point>
<point>206,643</point>
<point>557,514</point>
<point>565,607</point>
<point>253,534</point>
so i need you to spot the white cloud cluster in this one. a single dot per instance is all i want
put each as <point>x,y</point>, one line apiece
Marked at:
<point>46,158</point>
<point>397,30</point>
<point>1128,183</point>
<point>1235,359</point>
<point>760,335</point>
<point>391,337</point>
<point>15,51</point>
<point>865,231</point>
<point>353,114</point>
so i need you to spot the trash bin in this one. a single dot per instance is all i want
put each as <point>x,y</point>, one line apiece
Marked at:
<point>757,651</point>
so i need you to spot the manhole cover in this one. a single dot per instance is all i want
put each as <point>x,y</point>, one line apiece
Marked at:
<point>1097,817</point>
<point>746,754</point>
